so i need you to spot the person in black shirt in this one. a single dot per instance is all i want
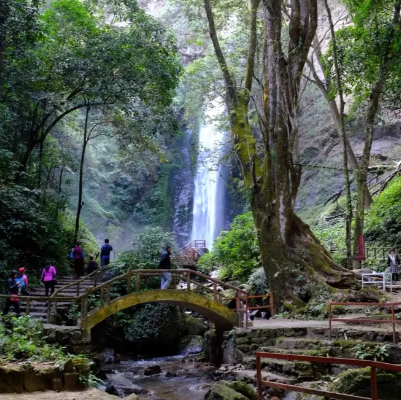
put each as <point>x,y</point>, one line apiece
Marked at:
<point>165,263</point>
<point>13,288</point>
<point>92,265</point>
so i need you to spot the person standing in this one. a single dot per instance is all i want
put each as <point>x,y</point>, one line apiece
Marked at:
<point>13,288</point>
<point>105,251</point>
<point>48,278</point>
<point>92,265</point>
<point>22,279</point>
<point>78,255</point>
<point>394,264</point>
<point>165,263</point>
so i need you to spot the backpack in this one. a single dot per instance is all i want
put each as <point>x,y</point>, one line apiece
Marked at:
<point>21,282</point>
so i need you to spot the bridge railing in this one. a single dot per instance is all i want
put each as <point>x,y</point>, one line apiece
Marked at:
<point>95,275</point>
<point>195,244</point>
<point>393,320</point>
<point>49,301</point>
<point>373,365</point>
<point>133,278</point>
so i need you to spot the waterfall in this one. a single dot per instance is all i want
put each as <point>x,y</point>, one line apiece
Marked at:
<point>210,191</point>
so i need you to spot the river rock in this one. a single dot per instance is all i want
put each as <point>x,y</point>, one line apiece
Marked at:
<point>124,385</point>
<point>132,396</point>
<point>153,370</point>
<point>196,326</point>
<point>191,344</point>
<point>110,389</point>
<point>235,390</point>
<point>106,356</point>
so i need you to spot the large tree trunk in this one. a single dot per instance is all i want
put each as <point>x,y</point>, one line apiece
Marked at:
<point>81,174</point>
<point>294,260</point>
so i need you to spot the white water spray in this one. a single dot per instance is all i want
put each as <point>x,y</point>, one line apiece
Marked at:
<point>209,196</point>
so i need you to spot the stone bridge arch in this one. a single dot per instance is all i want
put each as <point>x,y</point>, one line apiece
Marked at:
<point>221,316</point>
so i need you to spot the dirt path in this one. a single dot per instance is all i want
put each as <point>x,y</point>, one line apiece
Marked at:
<point>90,394</point>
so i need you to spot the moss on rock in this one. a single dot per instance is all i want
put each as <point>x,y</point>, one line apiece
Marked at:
<point>357,382</point>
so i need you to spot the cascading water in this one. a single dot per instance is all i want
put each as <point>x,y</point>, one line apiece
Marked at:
<point>210,190</point>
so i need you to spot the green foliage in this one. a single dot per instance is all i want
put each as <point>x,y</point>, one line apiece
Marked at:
<point>257,282</point>
<point>369,351</point>
<point>23,339</point>
<point>363,50</point>
<point>147,247</point>
<point>382,222</point>
<point>235,252</point>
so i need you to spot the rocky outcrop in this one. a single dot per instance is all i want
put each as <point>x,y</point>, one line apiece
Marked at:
<point>28,377</point>
<point>196,326</point>
<point>191,344</point>
<point>123,385</point>
<point>224,390</point>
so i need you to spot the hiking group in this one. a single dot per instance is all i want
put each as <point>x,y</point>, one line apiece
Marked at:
<point>17,282</point>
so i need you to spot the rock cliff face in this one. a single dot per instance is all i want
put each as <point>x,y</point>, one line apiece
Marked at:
<point>319,141</point>
<point>182,193</point>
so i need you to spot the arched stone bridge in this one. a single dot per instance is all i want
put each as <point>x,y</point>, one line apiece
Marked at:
<point>189,289</point>
<point>220,315</point>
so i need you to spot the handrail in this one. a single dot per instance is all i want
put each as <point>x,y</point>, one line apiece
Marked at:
<point>77,282</point>
<point>182,274</point>
<point>374,365</point>
<point>392,321</point>
<point>247,308</point>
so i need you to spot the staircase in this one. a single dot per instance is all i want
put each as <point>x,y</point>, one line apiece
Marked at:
<point>38,309</point>
<point>299,341</point>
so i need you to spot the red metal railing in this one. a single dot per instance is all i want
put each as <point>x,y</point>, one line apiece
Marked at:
<point>245,310</point>
<point>374,365</point>
<point>394,321</point>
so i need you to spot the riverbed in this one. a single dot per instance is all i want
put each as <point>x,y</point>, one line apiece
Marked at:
<point>178,379</point>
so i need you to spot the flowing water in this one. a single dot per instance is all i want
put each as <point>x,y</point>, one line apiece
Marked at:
<point>210,190</point>
<point>183,381</point>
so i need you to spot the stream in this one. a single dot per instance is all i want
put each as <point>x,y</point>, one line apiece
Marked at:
<point>178,380</point>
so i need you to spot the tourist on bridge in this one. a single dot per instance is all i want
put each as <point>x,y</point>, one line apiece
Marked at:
<point>13,288</point>
<point>394,264</point>
<point>78,255</point>
<point>105,251</point>
<point>49,274</point>
<point>165,263</point>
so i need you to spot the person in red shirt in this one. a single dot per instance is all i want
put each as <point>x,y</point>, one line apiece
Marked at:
<point>77,254</point>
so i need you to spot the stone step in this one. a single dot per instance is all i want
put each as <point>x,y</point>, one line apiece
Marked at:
<point>249,376</point>
<point>302,343</point>
<point>298,369</point>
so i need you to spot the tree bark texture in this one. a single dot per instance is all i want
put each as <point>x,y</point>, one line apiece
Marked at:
<point>294,260</point>
<point>86,138</point>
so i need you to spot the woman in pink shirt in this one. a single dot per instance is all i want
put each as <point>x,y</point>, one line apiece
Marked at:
<point>49,277</point>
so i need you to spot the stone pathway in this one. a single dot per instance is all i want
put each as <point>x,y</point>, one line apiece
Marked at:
<point>90,394</point>
<point>292,323</point>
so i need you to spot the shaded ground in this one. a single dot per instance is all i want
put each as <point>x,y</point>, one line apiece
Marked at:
<point>90,394</point>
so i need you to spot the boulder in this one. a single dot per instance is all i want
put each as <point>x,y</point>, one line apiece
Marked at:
<point>106,356</point>
<point>124,385</point>
<point>196,326</point>
<point>228,298</point>
<point>110,389</point>
<point>153,370</point>
<point>132,396</point>
<point>224,390</point>
<point>191,344</point>
<point>71,380</point>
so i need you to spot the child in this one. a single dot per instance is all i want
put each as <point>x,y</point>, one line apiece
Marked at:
<point>23,280</point>
<point>92,265</point>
